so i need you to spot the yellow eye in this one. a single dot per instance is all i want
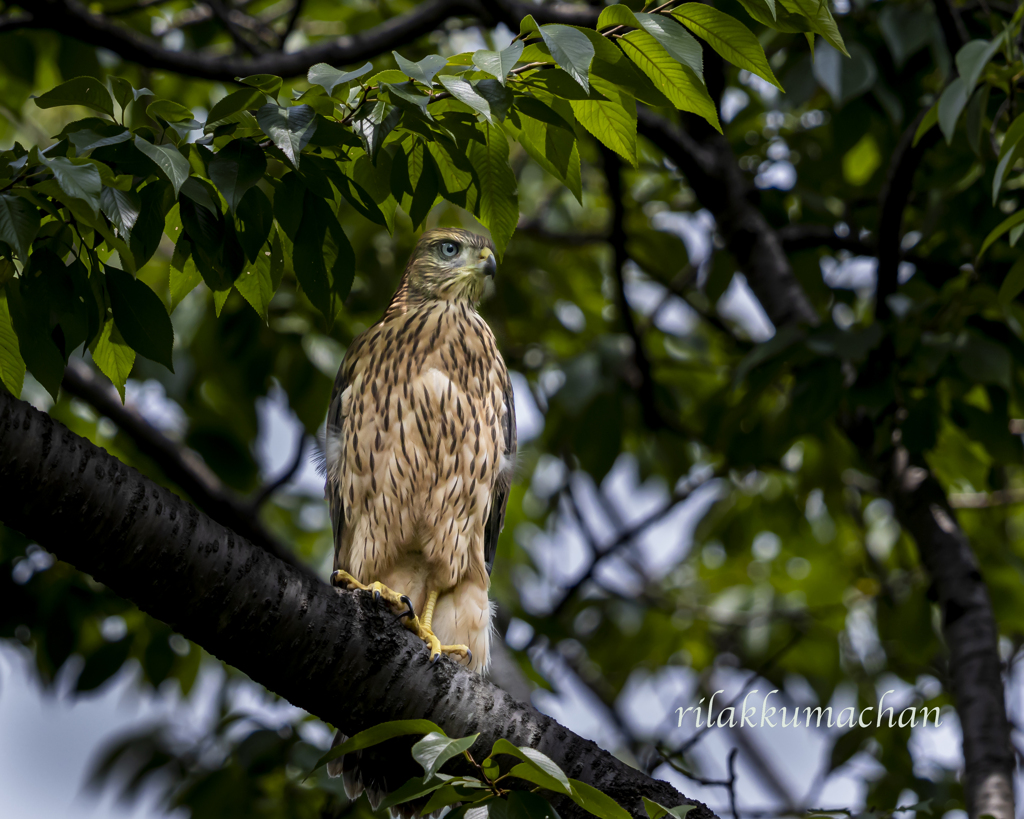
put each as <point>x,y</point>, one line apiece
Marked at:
<point>449,250</point>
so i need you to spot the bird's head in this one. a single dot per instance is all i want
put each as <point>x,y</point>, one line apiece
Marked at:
<point>451,265</point>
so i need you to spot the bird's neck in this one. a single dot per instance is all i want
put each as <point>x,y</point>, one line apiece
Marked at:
<point>409,298</point>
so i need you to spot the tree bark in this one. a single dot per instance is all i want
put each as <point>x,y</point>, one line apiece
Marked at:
<point>340,656</point>
<point>969,626</point>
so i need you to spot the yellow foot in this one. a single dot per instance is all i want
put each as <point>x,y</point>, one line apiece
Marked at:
<point>400,604</point>
<point>457,652</point>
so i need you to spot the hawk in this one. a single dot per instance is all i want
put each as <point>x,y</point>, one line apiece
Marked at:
<point>421,442</point>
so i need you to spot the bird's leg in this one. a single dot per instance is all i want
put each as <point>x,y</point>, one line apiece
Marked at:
<point>400,604</point>
<point>426,633</point>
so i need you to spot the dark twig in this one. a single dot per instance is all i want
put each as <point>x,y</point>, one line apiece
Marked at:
<point>260,496</point>
<point>222,14</point>
<point>293,19</point>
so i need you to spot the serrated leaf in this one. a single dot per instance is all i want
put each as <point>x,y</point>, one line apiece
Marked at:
<point>498,203</point>
<point>113,356</point>
<point>256,285</point>
<point>676,81</point>
<point>819,19</point>
<point>253,222</point>
<point>168,159</point>
<point>235,168</point>
<point>499,63</point>
<point>330,78</point>
<point>524,805</point>
<point>611,121</point>
<point>12,365</point>
<point>141,317</point>
<point>435,749</point>
<point>728,36</point>
<point>87,91</point>
<point>423,71</point>
<point>413,789</point>
<point>30,316</point>
<point>571,49</point>
<point>464,92</point>
<point>289,129</point>
<point>185,276</point>
<point>675,39</point>
<point>553,148</point>
<point>19,224</point>
<point>376,735</point>
<point>125,93</point>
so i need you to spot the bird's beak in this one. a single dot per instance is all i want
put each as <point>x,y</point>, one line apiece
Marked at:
<point>488,264</point>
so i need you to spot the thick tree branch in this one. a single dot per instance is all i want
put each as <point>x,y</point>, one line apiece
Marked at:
<point>711,170</point>
<point>73,19</point>
<point>340,656</point>
<point>969,626</point>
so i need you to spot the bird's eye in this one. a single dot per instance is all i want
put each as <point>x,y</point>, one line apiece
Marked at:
<point>449,249</point>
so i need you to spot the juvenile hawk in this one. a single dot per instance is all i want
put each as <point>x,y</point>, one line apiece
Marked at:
<point>421,440</point>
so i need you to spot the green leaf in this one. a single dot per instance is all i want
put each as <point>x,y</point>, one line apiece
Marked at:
<point>951,105</point>
<point>308,254</point>
<point>89,139</point>
<point>594,801</point>
<point>676,81</point>
<point>466,791</point>
<point>185,276</point>
<point>330,78</point>
<point>499,63</point>
<point>657,811</point>
<point>435,749</point>
<point>168,159</point>
<point>538,762</point>
<point>30,316</point>
<point>611,121</point>
<point>551,147</point>
<point>256,285</point>
<point>343,266</point>
<point>524,805</point>
<point>529,773</point>
<point>498,205</point>
<point>113,356</point>
<point>413,789</point>
<point>149,227</point>
<point>253,221</point>
<point>1009,222</point>
<point>269,84</point>
<point>12,365</point>
<point>288,128</point>
<point>374,127</point>
<point>169,111</point>
<point>125,93</point>
<point>1013,283</point>
<point>19,224</point>
<point>121,208</point>
<point>677,41</point>
<point>235,168</point>
<point>464,92</point>
<point>87,91</point>
<point>376,735</point>
<point>779,19</point>
<point>819,18</point>
<point>80,182</point>
<point>215,247</point>
<point>141,317</point>
<point>423,71</point>
<point>241,100</point>
<point>571,49</point>
<point>972,58</point>
<point>728,36</point>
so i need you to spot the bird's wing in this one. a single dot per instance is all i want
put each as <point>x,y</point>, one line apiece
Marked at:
<point>334,453</point>
<point>499,499</point>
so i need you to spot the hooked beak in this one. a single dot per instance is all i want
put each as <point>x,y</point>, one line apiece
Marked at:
<point>488,264</point>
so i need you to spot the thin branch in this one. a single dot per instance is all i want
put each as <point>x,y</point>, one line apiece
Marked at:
<point>181,466</point>
<point>264,492</point>
<point>293,18</point>
<point>986,500</point>
<point>220,11</point>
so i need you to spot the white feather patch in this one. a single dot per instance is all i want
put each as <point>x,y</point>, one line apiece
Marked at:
<point>437,381</point>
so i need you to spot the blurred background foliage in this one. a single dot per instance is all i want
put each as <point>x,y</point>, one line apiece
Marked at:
<point>643,565</point>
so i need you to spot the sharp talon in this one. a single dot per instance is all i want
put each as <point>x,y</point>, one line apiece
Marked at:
<point>376,594</point>
<point>409,612</point>
<point>335,577</point>
<point>434,658</point>
<point>469,653</point>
